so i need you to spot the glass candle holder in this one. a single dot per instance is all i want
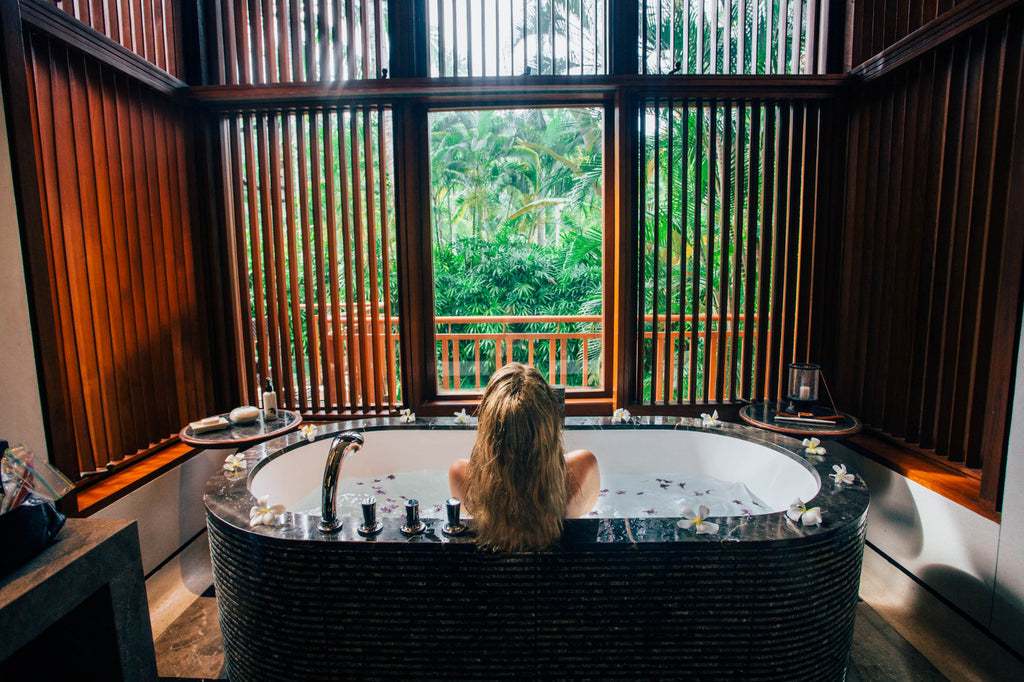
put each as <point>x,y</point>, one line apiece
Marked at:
<point>803,382</point>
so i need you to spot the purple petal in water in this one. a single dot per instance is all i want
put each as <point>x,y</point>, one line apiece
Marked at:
<point>649,512</point>
<point>391,477</point>
<point>620,492</point>
<point>641,492</point>
<point>698,493</point>
<point>593,513</point>
<point>682,485</point>
<point>736,502</point>
<point>603,491</point>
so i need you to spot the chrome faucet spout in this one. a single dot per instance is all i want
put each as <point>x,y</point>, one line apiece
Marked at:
<point>342,446</point>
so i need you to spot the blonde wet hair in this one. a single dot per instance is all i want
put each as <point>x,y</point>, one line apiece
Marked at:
<point>515,482</point>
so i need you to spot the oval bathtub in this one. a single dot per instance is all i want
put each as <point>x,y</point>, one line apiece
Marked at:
<point>628,592</point>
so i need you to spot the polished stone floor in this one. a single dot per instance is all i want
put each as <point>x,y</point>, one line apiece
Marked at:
<point>190,649</point>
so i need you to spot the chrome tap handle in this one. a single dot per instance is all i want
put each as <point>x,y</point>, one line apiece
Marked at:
<point>371,526</point>
<point>342,446</point>
<point>453,510</point>
<point>413,525</point>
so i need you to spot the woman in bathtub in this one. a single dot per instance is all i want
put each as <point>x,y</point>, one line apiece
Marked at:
<point>517,483</point>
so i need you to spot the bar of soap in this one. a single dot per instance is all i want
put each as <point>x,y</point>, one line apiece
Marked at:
<point>244,414</point>
<point>209,424</point>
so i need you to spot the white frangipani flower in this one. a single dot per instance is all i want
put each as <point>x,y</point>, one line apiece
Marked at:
<point>698,520</point>
<point>621,415</point>
<point>407,416</point>
<point>461,417</point>
<point>263,514</point>
<point>798,511</point>
<point>813,446</point>
<point>841,476</point>
<point>708,420</point>
<point>309,431</point>
<point>234,462</point>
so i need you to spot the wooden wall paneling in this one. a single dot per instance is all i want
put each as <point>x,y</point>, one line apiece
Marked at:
<point>99,366</point>
<point>270,38</point>
<point>930,140</point>
<point>130,392</point>
<point>70,242</point>
<point>120,412</point>
<point>48,281</point>
<point>908,253</point>
<point>949,424</point>
<point>292,216</point>
<point>874,266</point>
<point>243,42</point>
<point>1004,261</point>
<point>700,330</point>
<point>946,202</point>
<point>894,266</point>
<point>154,240</point>
<point>975,330</point>
<point>331,128</point>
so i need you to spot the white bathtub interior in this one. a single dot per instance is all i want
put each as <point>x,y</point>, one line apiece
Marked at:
<point>774,478</point>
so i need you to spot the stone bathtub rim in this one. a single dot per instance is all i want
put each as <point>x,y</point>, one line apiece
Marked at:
<point>227,497</point>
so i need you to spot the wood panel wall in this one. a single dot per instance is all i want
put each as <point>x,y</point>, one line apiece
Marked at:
<point>931,277</point>
<point>126,299</point>
<point>149,28</point>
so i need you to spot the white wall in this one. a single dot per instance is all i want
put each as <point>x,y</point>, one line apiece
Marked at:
<point>1008,606</point>
<point>21,414</point>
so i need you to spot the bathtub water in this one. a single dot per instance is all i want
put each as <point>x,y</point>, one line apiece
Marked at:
<point>677,468</point>
<point>627,592</point>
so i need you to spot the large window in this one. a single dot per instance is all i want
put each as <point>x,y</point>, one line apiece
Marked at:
<point>517,244</point>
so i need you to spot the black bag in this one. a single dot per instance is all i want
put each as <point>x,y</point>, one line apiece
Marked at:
<point>27,530</point>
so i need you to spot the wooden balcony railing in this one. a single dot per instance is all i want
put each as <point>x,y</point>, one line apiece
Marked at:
<point>570,356</point>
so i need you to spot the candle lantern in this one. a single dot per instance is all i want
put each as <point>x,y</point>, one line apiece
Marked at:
<point>803,383</point>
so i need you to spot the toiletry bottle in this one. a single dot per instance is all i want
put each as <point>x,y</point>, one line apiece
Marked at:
<point>269,402</point>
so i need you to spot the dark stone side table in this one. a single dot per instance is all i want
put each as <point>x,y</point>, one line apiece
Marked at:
<point>78,610</point>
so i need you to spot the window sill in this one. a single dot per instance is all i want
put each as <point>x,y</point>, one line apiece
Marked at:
<point>96,496</point>
<point>953,483</point>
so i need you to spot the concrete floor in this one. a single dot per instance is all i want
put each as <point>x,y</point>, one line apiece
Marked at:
<point>902,632</point>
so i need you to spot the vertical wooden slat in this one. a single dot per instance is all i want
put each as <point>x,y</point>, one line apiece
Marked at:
<point>291,227</point>
<point>338,393</point>
<point>709,272</point>
<point>655,357</point>
<point>390,359</point>
<point>751,308</point>
<point>669,221</point>
<point>698,206</point>
<point>684,265</point>
<point>371,305</point>
<point>305,218</point>
<point>736,285</point>
<point>264,237</point>
<point>724,239</point>
<point>279,203</point>
<point>351,339</point>
<point>320,257</point>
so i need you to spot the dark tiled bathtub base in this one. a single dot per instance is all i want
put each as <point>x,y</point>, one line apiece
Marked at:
<point>702,610</point>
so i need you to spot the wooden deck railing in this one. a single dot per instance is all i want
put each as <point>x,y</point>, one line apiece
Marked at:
<point>566,353</point>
